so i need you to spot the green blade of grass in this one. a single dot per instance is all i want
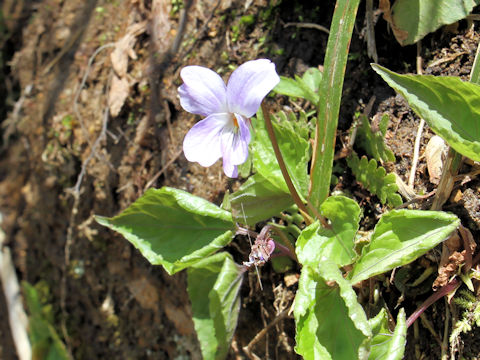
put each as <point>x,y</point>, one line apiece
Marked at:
<point>329,104</point>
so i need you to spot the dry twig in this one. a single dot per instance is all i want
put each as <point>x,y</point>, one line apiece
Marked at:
<point>76,192</point>
<point>163,169</point>
<point>16,315</point>
<point>262,333</point>
<point>306,25</point>
<point>418,138</point>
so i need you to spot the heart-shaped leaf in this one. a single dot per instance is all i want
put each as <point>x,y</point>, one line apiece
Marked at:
<point>316,244</point>
<point>173,228</point>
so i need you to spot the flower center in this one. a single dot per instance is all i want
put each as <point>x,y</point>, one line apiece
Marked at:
<point>235,121</point>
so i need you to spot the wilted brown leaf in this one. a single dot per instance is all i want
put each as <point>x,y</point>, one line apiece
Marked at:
<point>453,243</point>
<point>117,95</point>
<point>124,48</point>
<point>469,246</point>
<point>448,270</point>
<point>434,154</point>
<point>161,25</point>
<point>400,35</point>
<point>144,292</point>
<point>452,259</point>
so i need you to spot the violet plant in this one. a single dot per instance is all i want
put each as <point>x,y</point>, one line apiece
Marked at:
<point>178,231</point>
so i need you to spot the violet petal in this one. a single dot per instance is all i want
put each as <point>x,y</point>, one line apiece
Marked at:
<point>235,142</point>
<point>249,84</point>
<point>271,246</point>
<point>203,91</point>
<point>203,142</point>
<point>230,170</point>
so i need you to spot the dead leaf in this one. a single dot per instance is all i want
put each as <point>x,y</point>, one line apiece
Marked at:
<point>448,270</point>
<point>124,48</point>
<point>180,318</point>
<point>290,279</point>
<point>144,292</point>
<point>434,155</point>
<point>400,35</point>
<point>384,6</point>
<point>452,259</point>
<point>406,191</point>
<point>453,242</point>
<point>469,245</point>
<point>161,25</point>
<point>118,94</point>
<point>456,197</point>
<point>468,241</point>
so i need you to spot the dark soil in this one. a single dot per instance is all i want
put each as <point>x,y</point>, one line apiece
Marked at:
<point>62,160</point>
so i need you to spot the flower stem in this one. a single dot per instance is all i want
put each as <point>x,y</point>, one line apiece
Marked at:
<point>271,133</point>
<point>296,198</point>
<point>286,246</point>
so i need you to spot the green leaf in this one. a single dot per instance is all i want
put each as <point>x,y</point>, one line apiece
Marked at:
<point>384,344</point>
<point>373,142</point>
<point>413,19</point>
<point>215,316</point>
<point>295,88</point>
<point>298,124</point>
<point>245,169</point>
<point>336,56</point>
<point>475,73</point>
<point>308,342</point>
<point>381,335</point>
<point>313,79</point>
<point>400,237</point>
<point>257,200</point>
<point>450,107</point>
<point>295,152</point>
<point>173,228</point>
<point>315,243</point>
<point>375,179</point>
<point>396,348</point>
<point>46,343</point>
<point>282,264</point>
<point>330,272</point>
<point>305,87</point>
<point>331,324</point>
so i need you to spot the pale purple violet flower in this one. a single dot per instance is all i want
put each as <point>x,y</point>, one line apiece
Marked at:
<point>225,130</point>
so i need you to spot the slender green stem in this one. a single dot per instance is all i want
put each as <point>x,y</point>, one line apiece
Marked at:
<point>271,133</point>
